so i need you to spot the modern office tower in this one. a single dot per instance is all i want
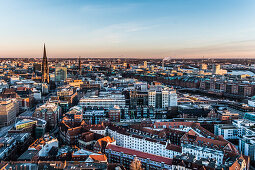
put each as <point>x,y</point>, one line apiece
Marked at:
<point>162,98</point>
<point>45,68</point>
<point>8,111</point>
<point>60,74</point>
<point>216,69</point>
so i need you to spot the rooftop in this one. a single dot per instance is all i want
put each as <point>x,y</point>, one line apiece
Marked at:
<point>139,154</point>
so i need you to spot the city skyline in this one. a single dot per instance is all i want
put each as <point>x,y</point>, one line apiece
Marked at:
<point>144,29</point>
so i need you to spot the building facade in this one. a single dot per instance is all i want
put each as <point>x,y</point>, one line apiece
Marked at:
<point>9,108</point>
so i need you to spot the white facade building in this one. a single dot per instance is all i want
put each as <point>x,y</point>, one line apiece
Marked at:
<point>247,146</point>
<point>203,152</point>
<point>247,137</point>
<point>146,145</point>
<point>162,99</point>
<point>105,102</point>
<point>152,98</point>
<point>200,147</point>
<point>227,131</point>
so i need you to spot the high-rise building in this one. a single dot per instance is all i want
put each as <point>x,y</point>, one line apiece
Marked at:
<point>216,69</point>
<point>60,74</point>
<point>45,68</point>
<point>162,98</point>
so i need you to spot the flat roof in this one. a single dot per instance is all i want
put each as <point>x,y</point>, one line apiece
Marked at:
<point>28,155</point>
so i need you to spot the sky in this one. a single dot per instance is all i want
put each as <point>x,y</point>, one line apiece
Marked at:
<point>135,28</point>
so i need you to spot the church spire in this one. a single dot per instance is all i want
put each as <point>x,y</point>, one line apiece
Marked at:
<point>80,65</point>
<point>45,68</point>
<point>44,51</point>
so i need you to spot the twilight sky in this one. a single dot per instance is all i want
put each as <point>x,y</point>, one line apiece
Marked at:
<point>135,28</point>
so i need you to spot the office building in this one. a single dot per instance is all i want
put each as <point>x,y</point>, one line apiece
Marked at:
<point>9,108</point>
<point>60,74</point>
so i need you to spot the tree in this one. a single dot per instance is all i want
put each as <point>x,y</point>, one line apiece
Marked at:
<point>136,164</point>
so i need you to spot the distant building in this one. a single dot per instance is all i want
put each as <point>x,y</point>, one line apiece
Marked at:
<point>9,108</point>
<point>145,64</point>
<point>60,74</point>
<point>217,70</point>
<point>203,66</point>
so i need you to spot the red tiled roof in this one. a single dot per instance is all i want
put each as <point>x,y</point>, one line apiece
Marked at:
<point>98,158</point>
<point>107,139</point>
<point>140,154</point>
<point>74,131</point>
<point>97,127</point>
<point>21,88</point>
<point>11,90</point>
<point>174,147</point>
<point>177,124</point>
<point>211,141</point>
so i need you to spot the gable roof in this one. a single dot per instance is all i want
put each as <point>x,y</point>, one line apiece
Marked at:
<point>140,154</point>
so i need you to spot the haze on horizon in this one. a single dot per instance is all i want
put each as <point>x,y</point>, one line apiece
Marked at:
<point>140,29</point>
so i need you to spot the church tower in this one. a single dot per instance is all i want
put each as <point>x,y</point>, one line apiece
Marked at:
<point>80,70</point>
<point>45,68</point>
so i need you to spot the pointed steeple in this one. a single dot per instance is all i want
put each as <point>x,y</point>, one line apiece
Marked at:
<point>80,65</point>
<point>45,68</point>
<point>44,51</point>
